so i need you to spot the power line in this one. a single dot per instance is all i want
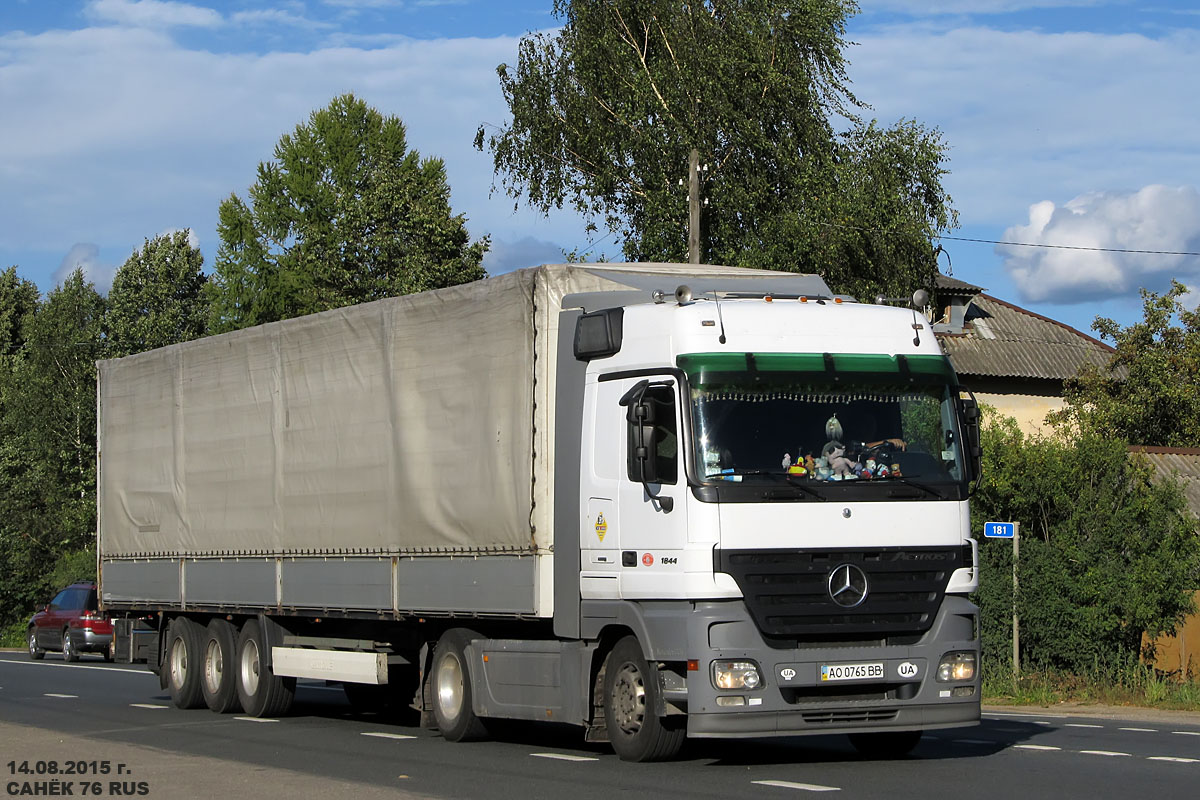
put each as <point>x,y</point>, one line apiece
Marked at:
<point>1025,244</point>
<point>1072,247</point>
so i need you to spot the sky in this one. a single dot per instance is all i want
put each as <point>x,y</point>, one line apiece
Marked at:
<point>1070,123</point>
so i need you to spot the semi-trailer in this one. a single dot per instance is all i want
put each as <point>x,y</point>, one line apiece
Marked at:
<point>653,501</point>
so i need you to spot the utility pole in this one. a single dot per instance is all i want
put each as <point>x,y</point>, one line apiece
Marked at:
<point>1016,620</point>
<point>694,207</point>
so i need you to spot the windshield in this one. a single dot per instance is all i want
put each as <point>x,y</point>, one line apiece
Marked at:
<point>824,419</point>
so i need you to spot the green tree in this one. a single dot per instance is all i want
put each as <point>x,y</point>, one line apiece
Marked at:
<point>606,110</point>
<point>18,301</point>
<point>48,431</point>
<point>157,296</point>
<point>1149,391</point>
<point>346,213</point>
<point>1108,552</point>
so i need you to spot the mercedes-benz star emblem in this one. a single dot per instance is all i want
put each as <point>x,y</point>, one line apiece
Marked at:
<point>847,585</point>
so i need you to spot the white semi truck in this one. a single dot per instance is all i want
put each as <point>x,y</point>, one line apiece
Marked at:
<point>653,501</point>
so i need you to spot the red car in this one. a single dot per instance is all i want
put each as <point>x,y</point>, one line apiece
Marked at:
<point>71,624</point>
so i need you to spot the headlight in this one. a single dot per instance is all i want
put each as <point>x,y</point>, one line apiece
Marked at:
<point>735,675</point>
<point>956,667</point>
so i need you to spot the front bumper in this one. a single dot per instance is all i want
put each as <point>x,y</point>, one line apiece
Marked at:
<point>794,700</point>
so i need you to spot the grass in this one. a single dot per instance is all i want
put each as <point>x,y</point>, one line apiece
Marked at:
<point>1135,685</point>
<point>13,635</point>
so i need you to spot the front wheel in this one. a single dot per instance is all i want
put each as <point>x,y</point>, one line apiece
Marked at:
<point>891,744</point>
<point>35,652</point>
<point>452,688</point>
<point>630,691</point>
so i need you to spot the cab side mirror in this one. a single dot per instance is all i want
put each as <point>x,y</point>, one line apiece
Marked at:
<point>970,418</point>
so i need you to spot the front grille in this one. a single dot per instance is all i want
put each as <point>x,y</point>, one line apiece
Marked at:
<point>849,715</point>
<point>787,591</point>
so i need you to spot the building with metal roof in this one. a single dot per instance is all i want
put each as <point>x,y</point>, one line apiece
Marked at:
<point>1011,358</point>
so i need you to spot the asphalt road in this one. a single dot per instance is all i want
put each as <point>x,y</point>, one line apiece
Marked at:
<point>55,715</point>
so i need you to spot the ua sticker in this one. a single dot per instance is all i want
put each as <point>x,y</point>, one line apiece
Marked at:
<point>907,670</point>
<point>601,527</point>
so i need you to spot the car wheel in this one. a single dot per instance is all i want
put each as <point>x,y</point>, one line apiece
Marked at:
<point>68,649</point>
<point>219,673</point>
<point>35,652</point>
<point>183,664</point>
<point>261,692</point>
<point>452,688</point>
<point>630,687</point>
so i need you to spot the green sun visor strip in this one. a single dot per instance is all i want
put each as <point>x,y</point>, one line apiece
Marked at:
<point>702,368</point>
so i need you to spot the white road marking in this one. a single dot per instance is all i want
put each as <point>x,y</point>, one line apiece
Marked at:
<point>52,694</point>
<point>564,757</point>
<point>808,787</point>
<point>1081,725</point>
<point>1035,747</point>
<point>1041,722</point>
<point>388,735</point>
<point>256,719</point>
<point>1186,733</point>
<point>75,666</point>
<point>1103,753</point>
<point>1176,759</point>
<point>146,705</point>
<point>1140,730</point>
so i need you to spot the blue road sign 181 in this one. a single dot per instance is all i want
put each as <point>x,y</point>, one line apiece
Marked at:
<point>999,530</point>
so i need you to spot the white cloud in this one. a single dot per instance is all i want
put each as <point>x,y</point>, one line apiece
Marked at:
<point>1155,218</point>
<point>86,256</point>
<point>153,13</point>
<point>933,8</point>
<point>1030,115</point>
<point>505,255</point>
<point>276,17</point>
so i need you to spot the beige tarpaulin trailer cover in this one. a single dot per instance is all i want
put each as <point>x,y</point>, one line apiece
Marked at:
<point>412,425</point>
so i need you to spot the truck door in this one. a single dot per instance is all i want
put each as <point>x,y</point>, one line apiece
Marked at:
<point>651,505</point>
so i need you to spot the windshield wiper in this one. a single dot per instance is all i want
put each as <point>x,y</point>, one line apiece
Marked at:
<point>799,483</point>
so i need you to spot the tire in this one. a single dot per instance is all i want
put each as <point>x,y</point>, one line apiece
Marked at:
<point>35,652</point>
<point>883,746</point>
<point>630,691</point>
<point>184,664</point>
<point>219,672</point>
<point>110,652</point>
<point>451,687</point>
<point>261,692</point>
<point>68,650</point>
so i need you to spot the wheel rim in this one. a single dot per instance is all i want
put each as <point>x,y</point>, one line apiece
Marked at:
<point>33,648</point>
<point>179,663</point>
<point>67,652</point>
<point>450,686</point>
<point>629,699</point>
<point>249,666</point>
<point>213,667</point>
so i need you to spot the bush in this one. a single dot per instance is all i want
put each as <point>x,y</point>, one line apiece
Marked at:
<point>1107,553</point>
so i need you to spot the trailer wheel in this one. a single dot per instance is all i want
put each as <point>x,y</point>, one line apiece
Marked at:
<point>183,663</point>
<point>35,652</point>
<point>452,688</point>
<point>220,650</point>
<point>891,744</point>
<point>630,689</point>
<point>261,692</point>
